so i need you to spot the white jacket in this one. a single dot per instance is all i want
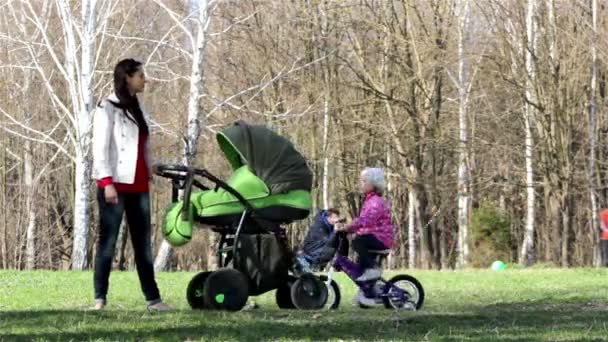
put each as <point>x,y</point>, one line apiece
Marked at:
<point>115,143</point>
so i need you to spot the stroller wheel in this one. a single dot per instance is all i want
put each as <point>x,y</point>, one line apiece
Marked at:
<point>195,292</point>
<point>226,289</point>
<point>283,294</point>
<point>309,293</point>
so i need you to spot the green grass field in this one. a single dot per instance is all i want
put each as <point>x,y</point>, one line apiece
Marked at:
<point>515,305</point>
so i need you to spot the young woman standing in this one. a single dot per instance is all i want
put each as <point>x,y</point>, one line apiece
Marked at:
<point>121,166</point>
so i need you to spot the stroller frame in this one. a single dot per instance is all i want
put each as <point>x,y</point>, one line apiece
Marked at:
<point>183,178</point>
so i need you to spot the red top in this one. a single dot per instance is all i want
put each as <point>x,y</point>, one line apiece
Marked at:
<point>604,222</point>
<point>141,172</point>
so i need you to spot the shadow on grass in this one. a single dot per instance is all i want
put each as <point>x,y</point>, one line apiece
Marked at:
<point>526,321</point>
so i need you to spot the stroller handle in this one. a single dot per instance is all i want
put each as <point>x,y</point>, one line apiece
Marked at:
<point>182,173</point>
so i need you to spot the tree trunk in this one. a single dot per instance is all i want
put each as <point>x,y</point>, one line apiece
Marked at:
<point>527,250</point>
<point>595,227</point>
<point>4,242</point>
<point>463,159</point>
<point>30,239</point>
<point>390,196</point>
<point>194,121</point>
<point>325,70</point>
<point>83,164</point>
<point>81,212</point>
<point>121,246</point>
<point>326,203</point>
<point>212,261</point>
<point>565,216</point>
<point>163,257</point>
<point>413,222</point>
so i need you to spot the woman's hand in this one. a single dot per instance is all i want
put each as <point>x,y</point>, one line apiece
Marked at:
<point>111,194</point>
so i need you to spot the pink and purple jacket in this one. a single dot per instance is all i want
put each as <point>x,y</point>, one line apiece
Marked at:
<point>375,219</point>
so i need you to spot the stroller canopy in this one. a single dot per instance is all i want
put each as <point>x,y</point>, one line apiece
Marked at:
<point>272,157</point>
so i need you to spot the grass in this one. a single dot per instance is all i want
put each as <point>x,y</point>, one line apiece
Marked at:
<point>515,305</point>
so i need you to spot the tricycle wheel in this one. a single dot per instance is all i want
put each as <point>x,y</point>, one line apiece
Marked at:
<point>309,293</point>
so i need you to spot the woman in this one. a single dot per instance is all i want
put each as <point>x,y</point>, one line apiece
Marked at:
<point>373,228</point>
<point>604,237</point>
<point>121,166</point>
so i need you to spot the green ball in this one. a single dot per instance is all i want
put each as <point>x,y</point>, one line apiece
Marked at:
<point>177,231</point>
<point>498,265</point>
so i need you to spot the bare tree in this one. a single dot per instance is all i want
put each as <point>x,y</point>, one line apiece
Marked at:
<point>195,122</point>
<point>527,249</point>
<point>413,223</point>
<point>464,174</point>
<point>591,168</point>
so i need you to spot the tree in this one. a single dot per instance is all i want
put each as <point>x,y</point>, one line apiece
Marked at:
<point>74,114</point>
<point>527,249</point>
<point>464,175</point>
<point>591,168</point>
<point>195,122</point>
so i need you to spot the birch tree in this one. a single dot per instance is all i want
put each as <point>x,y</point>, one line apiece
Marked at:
<point>464,174</point>
<point>74,115</point>
<point>83,101</point>
<point>195,122</point>
<point>591,168</point>
<point>527,249</point>
<point>413,223</point>
<point>325,71</point>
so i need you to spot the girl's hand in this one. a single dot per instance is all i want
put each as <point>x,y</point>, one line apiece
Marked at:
<point>111,194</point>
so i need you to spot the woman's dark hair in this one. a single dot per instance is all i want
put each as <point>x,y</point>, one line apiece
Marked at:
<point>128,102</point>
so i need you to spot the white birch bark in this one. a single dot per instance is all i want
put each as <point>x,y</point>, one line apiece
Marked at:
<point>595,228</point>
<point>326,107</point>
<point>82,102</point>
<point>527,249</point>
<point>464,176</point>
<point>30,235</point>
<point>194,118</point>
<point>412,208</point>
<point>325,148</point>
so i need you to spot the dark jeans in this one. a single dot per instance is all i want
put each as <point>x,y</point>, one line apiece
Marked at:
<point>137,209</point>
<point>362,244</point>
<point>604,251</point>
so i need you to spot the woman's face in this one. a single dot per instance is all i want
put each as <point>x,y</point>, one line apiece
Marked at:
<point>137,82</point>
<point>364,185</point>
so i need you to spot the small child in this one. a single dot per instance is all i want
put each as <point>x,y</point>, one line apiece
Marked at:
<point>321,240</point>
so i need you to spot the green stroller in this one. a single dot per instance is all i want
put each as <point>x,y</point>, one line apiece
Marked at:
<point>269,188</point>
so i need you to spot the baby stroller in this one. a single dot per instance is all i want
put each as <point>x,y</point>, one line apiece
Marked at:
<point>270,187</point>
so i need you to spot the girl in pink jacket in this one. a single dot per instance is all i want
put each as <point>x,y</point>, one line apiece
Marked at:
<point>373,228</point>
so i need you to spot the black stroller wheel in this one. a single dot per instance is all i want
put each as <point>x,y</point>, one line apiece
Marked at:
<point>283,294</point>
<point>226,289</point>
<point>195,293</point>
<point>309,293</point>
